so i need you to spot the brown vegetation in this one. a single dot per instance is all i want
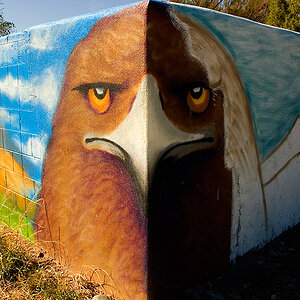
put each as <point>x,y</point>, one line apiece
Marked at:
<point>28,272</point>
<point>280,13</point>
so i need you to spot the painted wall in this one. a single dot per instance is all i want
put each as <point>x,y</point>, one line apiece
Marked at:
<point>170,146</point>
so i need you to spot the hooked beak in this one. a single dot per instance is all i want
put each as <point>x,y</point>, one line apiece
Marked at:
<point>146,136</point>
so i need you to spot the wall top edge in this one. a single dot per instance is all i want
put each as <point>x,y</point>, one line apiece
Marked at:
<point>108,11</point>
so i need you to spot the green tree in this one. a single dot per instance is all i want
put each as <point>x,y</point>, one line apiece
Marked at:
<point>256,10</point>
<point>285,14</point>
<point>212,4</point>
<point>5,26</point>
<point>280,13</point>
<point>292,21</point>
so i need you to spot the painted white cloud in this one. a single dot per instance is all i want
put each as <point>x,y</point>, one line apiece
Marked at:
<point>34,146</point>
<point>44,87</point>
<point>43,40</point>
<point>10,86</point>
<point>17,142</point>
<point>45,37</point>
<point>6,117</point>
<point>4,114</point>
<point>39,145</point>
<point>6,54</point>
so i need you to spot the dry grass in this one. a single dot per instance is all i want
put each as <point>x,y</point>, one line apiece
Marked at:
<point>27,272</point>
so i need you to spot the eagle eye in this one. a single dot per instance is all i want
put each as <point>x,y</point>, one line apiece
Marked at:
<point>100,94</point>
<point>99,98</point>
<point>198,98</point>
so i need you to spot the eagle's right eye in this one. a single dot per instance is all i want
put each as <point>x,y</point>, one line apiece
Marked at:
<point>100,95</point>
<point>99,98</point>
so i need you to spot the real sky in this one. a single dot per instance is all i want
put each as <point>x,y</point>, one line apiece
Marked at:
<point>26,13</point>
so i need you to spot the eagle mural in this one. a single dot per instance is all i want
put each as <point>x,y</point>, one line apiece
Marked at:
<point>159,169</point>
<point>152,145</point>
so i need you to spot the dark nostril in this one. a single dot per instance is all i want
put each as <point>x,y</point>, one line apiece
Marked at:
<point>210,139</point>
<point>161,100</point>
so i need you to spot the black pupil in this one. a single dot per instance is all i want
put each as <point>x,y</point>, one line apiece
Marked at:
<point>100,92</point>
<point>196,92</point>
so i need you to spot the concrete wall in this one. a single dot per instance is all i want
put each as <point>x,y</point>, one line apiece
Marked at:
<point>167,136</point>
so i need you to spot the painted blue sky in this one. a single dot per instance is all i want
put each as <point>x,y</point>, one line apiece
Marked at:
<point>26,13</point>
<point>32,65</point>
<point>32,68</point>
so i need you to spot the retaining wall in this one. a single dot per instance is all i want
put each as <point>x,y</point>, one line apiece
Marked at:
<point>150,138</point>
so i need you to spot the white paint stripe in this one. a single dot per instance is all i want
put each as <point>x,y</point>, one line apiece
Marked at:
<point>278,159</point>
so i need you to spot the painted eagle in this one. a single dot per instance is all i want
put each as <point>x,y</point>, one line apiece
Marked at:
<point>151,154</point>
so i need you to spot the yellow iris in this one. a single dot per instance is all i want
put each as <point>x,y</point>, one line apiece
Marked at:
<point>99,98</point>
<point>198,99</point>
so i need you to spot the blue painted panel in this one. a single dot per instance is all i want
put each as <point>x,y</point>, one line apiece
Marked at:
<point>19,159</point>
<point>12,140</point>
<point>31,165</point>
<point>1,138</point>
<point>14,119</point>
<point>26,144</point>
<point>29,121</point>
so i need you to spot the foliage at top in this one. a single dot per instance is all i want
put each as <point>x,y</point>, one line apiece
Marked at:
<point>285,14</point>
<point>5,26</point>
<point>280,13</point>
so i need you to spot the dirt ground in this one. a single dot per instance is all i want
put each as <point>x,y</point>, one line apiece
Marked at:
<point>272,272</point>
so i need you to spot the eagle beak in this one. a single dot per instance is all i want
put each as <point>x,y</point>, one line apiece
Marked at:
<point>146,136</point>
<point>165,137</point>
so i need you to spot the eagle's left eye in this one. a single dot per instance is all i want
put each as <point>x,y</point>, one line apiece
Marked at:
<point>99,98</point>
<point>100,95</point>
<point>198,98</point>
